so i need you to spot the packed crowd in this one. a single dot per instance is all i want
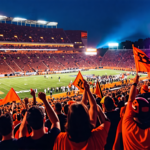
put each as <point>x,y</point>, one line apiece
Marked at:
<point>119,58</point>
<point>119,120</point>
<point>42,61</point>
<point>12,32</point>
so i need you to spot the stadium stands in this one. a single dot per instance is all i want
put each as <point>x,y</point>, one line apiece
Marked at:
<point>12,32</point>
<point>30,62</point>
<point>118,58</point>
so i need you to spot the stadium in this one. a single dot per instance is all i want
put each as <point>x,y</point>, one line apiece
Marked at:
<point>55,89</point>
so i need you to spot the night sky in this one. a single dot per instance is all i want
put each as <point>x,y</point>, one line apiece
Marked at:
<point>105,20</point>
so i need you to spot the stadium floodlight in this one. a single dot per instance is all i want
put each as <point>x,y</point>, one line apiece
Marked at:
<point>52,24</point>
<point>41,22</point>
<point>113,44</point>
<point>2,17</point>
<point>19,19</point>
<point>91,50</point>
<point>91,53</point>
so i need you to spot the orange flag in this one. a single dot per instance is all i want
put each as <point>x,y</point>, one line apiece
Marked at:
<point>98,90</point>
<point>79,82</point>
<point>11,96</point>
<point>142,62</point>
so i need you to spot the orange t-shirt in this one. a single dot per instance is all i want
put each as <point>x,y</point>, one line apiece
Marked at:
<point>118,139</point>
<point>97,140</point>
<point>134,138</point>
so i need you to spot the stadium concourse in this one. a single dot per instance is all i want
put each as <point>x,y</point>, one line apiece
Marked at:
<point>113,116</point>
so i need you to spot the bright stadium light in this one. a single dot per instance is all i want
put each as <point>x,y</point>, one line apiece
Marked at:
<point>113,44</point>
<point>41,22</point>
<point>19,19</point>
<point>2,17</point>
<point>52,24</point>
<point>91,53</point>
<point>91,50</point>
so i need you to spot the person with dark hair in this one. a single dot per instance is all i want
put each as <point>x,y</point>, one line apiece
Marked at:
<point>35,118</point>
<point>6,125</point>
<point>136,121</point>
<point>61,116</point>
<point>66,107</point>
<point>114,117</point>
<point>80,132</point>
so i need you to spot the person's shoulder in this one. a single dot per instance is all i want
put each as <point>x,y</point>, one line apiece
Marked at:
<point>24,139</point>
<point>13,144</point>
<point>53,132</point>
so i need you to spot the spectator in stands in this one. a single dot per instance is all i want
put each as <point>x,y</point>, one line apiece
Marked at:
<point>35,117</point>
<point>114,117</point>
<point>18,120</point>
<point>6,125</point>
<point>80,122</point>
<point>144,92</point>
<point>66,107</point>
<point>61,116</point>
<point>136,122</point>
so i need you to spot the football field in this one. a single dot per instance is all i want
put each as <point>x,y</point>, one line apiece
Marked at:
<point>22,85</point>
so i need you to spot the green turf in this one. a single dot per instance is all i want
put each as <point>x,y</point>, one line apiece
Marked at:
<point>39,82</point>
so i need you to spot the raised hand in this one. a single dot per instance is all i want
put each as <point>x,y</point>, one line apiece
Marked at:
<point>32,92</point>
<point>26,100</point>
<point>42,96</point>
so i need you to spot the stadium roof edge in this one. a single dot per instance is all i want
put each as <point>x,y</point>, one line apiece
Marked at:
<point>26,21</point>
<point>31,43</point>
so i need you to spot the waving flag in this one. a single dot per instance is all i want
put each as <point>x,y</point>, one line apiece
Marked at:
<point>98,90</point>
<point>79,82</point>
<point>142,62</point>
<point>11,96</point>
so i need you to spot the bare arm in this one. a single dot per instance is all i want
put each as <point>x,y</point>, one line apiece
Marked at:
<point>26,103</point>
<point>101,116</point>
<point>34,96</point>
<point>92,102</point>
<point>84,98</point>
<point>13,105</point>
<point>50,111</point>
<point>23,127</point>
<point>132,94</point>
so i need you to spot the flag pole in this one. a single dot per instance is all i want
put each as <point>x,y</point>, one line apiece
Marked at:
<point>134,59</point>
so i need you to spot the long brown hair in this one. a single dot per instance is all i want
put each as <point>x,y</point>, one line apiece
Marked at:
<point>78,123</point>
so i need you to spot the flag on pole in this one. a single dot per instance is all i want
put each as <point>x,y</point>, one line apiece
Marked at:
<point>98,90</point>
<point>142,62</point>
<point>11,96</point>
<point>79,82</point>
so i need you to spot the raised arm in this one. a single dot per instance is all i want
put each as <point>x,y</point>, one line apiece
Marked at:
<point>101,116</point>
<point>12,107</point>
<point>132,94</point>
<point>85,97</point>
<point>26,101</point>
<point>34,96</point>
<point>23,127</point>
<point>50,111</point>
<point>93,106</point>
